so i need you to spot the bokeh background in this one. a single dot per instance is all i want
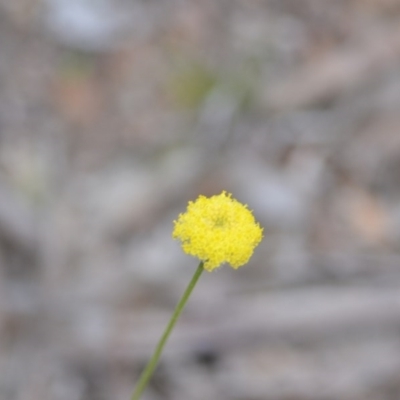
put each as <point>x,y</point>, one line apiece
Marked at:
<point>114,114</point>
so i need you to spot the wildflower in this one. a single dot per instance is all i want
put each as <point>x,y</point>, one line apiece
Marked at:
<point>218,229</point>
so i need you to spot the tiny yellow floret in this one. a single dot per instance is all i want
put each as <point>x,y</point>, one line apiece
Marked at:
<point>218,229</point>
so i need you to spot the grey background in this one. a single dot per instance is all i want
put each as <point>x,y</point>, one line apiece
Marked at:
<point>114,114</point>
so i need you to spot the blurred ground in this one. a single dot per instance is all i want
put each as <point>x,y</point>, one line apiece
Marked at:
<point>113,114</point>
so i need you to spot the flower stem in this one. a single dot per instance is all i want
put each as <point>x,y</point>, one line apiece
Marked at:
<point>151,365</point>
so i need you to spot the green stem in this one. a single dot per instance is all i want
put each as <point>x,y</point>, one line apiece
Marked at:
<point>151,366</point>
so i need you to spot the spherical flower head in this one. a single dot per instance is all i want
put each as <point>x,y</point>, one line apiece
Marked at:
<point>218,229</point>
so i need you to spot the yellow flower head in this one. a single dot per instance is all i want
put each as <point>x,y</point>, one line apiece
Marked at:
<point>218,229</point>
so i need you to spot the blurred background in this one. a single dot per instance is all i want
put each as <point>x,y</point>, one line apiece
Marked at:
<point>115,113</point>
